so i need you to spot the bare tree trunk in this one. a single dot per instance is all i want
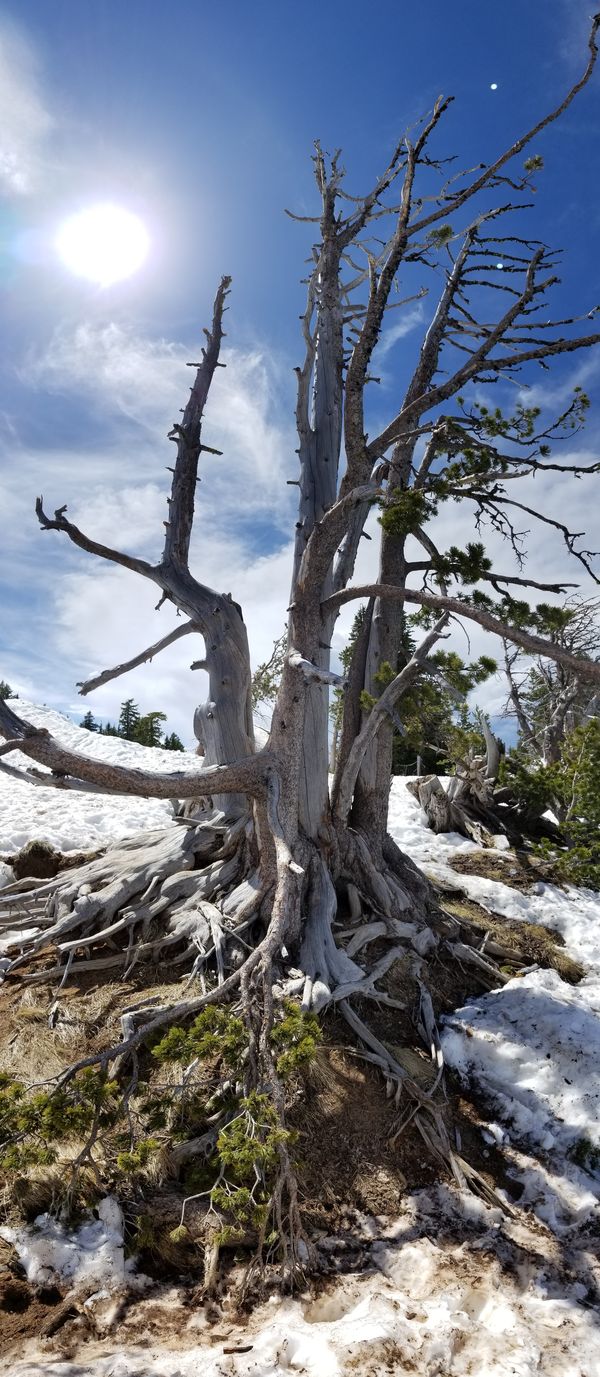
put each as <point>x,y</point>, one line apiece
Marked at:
<point>373,784</point>
<point>319,420</point>
<point>223,725</point>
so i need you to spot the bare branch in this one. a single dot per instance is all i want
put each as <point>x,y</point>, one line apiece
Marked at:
<point>88,685</point>
<point>493,503</point>
<point>418,398</point>
<point>313,674</point>
<point>188,438</point>
<point>383,705</point>
<point>43,779</point>
<point>510,656</point>
<point>490,172</point>
<point>542,351</point>
<point>245,776</point>
<point>92,547</point>
<point>378,298</point>
<point>537,645</point>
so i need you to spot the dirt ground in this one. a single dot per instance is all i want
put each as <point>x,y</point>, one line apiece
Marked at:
<point>518,869</point>
<point>352,1165</point>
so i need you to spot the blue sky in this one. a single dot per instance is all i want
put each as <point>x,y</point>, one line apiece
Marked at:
<point>200,118</point>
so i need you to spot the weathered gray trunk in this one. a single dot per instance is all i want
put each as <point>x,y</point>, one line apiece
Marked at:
<point>373,784</point>
<point>223,725</point>
<point>320,432</point>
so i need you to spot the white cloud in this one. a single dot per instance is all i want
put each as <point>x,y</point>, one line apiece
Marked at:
<point>558,394</point>
<point>146,381</point>
<point>402,327</point>
<point>84,615</point>
<point>24,120</point>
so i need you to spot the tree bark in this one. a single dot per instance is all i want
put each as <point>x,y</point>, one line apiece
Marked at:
<point>320,431</point>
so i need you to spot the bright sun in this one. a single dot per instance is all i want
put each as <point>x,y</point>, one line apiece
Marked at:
<point>103,243</point>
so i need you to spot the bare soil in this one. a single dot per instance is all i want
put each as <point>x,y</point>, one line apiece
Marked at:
<point>41,861</point>
<point>352,1168</point>
<point>517,869</point>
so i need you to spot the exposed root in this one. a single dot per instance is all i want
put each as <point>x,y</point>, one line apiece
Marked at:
<point>199,898</point>
<point>123,895</point>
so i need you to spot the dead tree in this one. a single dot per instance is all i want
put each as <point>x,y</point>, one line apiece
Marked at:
<point>547,699</point>
<point>279,854</point>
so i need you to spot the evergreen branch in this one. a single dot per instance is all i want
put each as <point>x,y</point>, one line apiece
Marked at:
<point>537,645</point>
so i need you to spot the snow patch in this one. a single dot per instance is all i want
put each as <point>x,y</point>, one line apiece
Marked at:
<point>74,821</point>
<point>424,1309</point>
<point>532,1047</point>
<point>90,1255</point>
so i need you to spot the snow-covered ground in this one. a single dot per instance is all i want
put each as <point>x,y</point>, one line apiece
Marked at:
<point>76,821</point>
<point>424,1307</point>
<point>532,1049</point>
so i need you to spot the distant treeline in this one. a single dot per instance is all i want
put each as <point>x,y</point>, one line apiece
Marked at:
<point>145,728</point>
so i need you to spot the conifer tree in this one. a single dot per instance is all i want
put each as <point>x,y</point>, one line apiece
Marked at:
<point>147,730</point>
<point>129,717</point>
<point>172,742</point>
<point>549,699</point>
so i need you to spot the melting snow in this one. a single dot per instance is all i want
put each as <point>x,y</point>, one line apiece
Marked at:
<point>89,1256</point>
<point>424,1309</point>
<point>533,1047</point>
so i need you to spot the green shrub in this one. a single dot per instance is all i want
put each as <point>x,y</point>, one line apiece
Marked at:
<point>571,788</point>
<point>238,1176</point>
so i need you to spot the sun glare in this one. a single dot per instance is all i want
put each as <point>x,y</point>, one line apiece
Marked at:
<point>103,243</point>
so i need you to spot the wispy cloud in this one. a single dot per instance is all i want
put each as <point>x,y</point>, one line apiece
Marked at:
<point>25,121</point>
<point>556,394</point>
<point>145,381</point>
<point>401,327</point>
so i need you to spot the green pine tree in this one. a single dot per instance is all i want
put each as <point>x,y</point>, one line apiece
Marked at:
<point>5,690</point>
<point>148,731</point>
<point>173,743</point>
<point>89,722</point>
<point>129,717</point>
<point>435,724</point>
<point>570,787</point>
